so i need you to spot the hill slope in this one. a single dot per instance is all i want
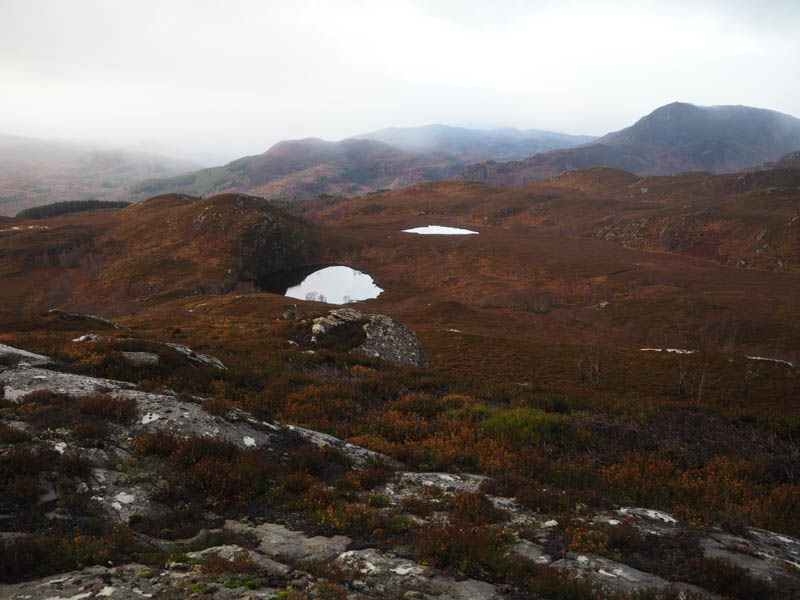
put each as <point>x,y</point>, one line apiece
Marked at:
<point>35,172</point>
<point>385,159</point>
<point>166,245</point>
<point>675,138</point>
<point>309,167</point>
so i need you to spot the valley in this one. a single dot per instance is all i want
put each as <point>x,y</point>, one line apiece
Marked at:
<point>532,365</point>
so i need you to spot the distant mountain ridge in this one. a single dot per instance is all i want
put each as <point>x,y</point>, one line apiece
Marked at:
<point>385,159</point>
<point>675,138</point>
<point>310,167</point>
<point>497,144</point>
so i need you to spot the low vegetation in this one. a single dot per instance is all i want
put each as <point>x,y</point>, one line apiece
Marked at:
<point>56,209</point>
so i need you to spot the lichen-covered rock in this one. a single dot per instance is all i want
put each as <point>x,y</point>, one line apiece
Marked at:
<point>197,358</point>
<point>73,316</point>
<point>127,582</point>
<point>121,583</point>
<point>768,556</point>
<point>385,339</point>
<point>141,359</point>
<point>21,381</point>
<point>89,337</point>
<point>374,574</point>
<point>16,355</point>
<point>618,577</point>
<point>357,454</point>
<point>156,412</point>
<point>531,551</point>
<point>279,542</point>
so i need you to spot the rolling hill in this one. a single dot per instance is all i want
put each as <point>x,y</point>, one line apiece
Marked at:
<point>385,159</point>
<point>166,245</point>
<point>675,138</point>
<point>310,167</point>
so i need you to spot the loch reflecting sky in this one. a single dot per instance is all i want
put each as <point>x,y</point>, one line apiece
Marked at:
<point>335,285</point>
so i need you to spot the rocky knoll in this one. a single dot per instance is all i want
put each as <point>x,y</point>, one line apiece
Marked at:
<point>382,337</point>
<point>290,558</point>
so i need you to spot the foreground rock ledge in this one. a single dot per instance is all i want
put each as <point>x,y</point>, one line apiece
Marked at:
<point>283,551</point>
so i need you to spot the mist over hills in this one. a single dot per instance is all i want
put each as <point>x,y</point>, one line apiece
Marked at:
<point>310,167</point>
<point>384,159</point>
<point>35,172</point>
<point>675,138</point>
<point>499,144</point>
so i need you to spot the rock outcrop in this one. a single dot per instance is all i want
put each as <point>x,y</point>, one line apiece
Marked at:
<point>384,338</point>
<point>284,552</point>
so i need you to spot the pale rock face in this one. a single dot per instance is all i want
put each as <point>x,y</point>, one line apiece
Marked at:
<point>22,355</point>
<point>281,543</point>
<point>196,357</point>
<point>381,576</point>
<point>386,339</point>
<point>89,337</point>
<point>141,359</point>
<point>73,316</point>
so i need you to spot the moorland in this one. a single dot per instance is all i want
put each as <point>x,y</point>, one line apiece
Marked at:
<point>607,405</point>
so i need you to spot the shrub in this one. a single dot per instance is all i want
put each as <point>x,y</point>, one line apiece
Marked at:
<point>297,483</point>
<point>542,500</point>
<point>723,577</point>
<point>114,409</point>
<point>374,473</point>
<point>475,508</point>
<point>12,435</point>
<point>25,461</point>
<point>240,563</point>
<point>22,489</point>
<point>624,538</point>
<point>159,443</point>
<point>193,450</point>
<point>311,459</point>
<point>174,524</point>
<point>556,585</point>
<point>227,481</point>
<point>418,506</point>
<point>217,406</point>
<point>476,551</point>
<point>530,425</point>
<point>90,430</point>
<point>26,558</point>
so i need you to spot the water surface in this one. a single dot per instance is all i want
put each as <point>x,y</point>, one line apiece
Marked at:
<point>335,285</point>
<point>440,230</point>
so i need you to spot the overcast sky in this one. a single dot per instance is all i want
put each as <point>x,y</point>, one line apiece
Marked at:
<point>223,79</point>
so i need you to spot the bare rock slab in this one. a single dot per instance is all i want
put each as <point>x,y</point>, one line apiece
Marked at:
<point>279,542</point>
<point>385,339</point>
<point>16,355</point>
<point>618,577</point>
<point>374,574</point>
